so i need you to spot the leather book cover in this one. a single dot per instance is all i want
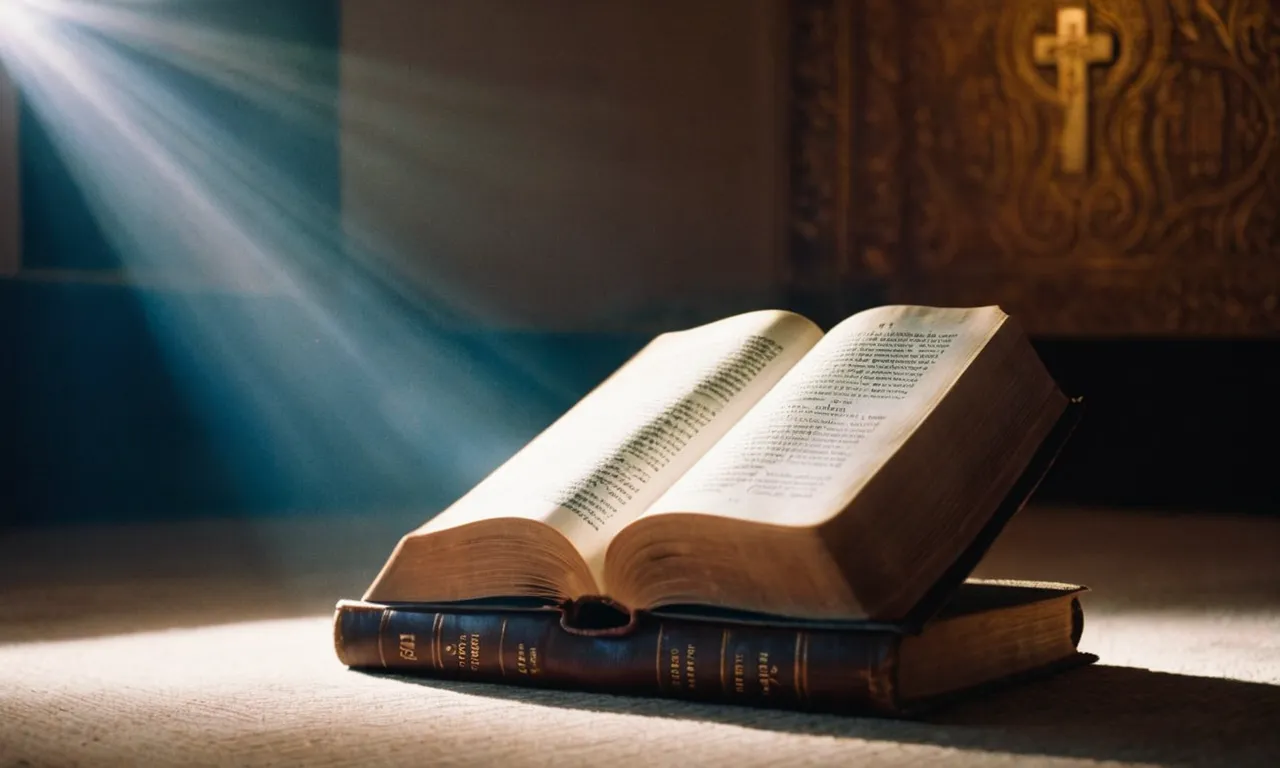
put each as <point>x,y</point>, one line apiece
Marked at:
<point>761,666</point>
<point>851,671</point>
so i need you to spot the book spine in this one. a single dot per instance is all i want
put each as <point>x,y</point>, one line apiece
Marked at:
<point>739,664</point>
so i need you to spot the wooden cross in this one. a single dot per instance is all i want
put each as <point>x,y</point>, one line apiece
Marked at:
<point>1073,49</point>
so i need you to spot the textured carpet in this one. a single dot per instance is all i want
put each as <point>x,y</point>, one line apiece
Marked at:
<point>210,644</point>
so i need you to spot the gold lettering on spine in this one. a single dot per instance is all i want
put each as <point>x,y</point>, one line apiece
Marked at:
<point>468,651</point>
<point>526,659</point>
<point>739,673</point>
<point>382,632</point>
<point>690,670</point>
<point>436,654</point>
<point>408,647</point>
<point>675,668</point>
<point>502,634</point>
<point>766,673</point>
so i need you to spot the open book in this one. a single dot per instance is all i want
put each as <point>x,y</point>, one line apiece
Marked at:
<point>756,464</point>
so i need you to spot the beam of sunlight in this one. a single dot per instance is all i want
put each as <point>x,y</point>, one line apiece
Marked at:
<point>189,202</point>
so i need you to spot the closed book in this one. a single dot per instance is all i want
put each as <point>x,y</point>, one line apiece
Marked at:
<point>989,633</point>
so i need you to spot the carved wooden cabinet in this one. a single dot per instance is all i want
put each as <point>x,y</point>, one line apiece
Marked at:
<point>1109,167</point>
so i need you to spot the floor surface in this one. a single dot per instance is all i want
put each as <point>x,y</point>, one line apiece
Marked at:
<point>210,644</point>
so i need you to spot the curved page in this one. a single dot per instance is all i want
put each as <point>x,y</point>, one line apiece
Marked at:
<point>605,461</point>
<point>836,417</point>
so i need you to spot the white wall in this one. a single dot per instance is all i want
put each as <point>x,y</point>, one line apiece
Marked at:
<point>569,164</point>
<point>10,213</point>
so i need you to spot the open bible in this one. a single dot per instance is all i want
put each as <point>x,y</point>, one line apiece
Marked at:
<point>757,464</point>
<point>752,472</point>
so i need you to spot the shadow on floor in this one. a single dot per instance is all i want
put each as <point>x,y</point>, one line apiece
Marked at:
<point>1098,712</point>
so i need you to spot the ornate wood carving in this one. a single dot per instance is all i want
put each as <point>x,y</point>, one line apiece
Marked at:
<point>820,145</point>
<point>883,144</point>
<point>846,167</point>
<point>1171,226</point>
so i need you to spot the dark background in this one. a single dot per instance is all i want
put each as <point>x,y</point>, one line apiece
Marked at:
<point>102,421</point>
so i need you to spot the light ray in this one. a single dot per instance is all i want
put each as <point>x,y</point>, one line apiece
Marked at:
<point>187,202</point>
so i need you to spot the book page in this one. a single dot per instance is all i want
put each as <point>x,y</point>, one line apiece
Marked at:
<point>606,460</point>
<point>802,453</point>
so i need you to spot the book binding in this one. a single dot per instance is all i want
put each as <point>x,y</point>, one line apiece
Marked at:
<point>851,672</point>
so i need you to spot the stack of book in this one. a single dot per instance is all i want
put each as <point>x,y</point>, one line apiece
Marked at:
<point>756,512</point>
